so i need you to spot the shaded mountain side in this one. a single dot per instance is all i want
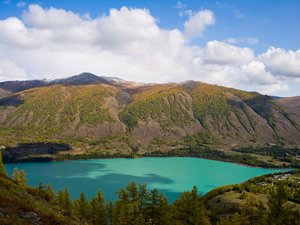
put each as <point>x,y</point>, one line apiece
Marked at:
<point>16,86</point>
<point>80,79</point>
<point>126,118</point>
<point>3,93</point>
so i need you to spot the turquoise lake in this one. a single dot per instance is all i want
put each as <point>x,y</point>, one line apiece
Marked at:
<point>170,175</point>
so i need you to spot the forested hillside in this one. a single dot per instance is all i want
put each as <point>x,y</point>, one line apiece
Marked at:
<point>97,116</point>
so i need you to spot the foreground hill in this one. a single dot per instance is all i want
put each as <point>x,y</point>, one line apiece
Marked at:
<point>100,116</point>
<point>30,206</point>
<point>251,197</point>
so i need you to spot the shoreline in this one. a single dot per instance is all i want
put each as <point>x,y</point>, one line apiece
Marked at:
<point>70,157</point>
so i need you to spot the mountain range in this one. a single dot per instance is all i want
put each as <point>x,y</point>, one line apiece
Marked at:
<point>103,115</point>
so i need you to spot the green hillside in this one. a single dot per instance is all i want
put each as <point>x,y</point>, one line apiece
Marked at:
<point>106,120</point>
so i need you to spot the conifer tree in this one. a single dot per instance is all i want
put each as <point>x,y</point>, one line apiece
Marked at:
<point>60,198</point>
<point>49,193</point>
<point>23,178</point>
<point>158,206</point>
<point>132,191</point>
<point>110,212</point>
<point>76,207</point>
<point>121,214</point>
<point>143,196</point>
<point>20,177</point>
<point>67,202</point>
<point>279,209</point>
<point>98,210</point>
<point>83,208</point>
<point>189,209</point>
<point>16,175</point>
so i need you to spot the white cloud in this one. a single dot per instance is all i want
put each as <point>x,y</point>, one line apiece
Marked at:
<point>222,53</point>
<point>38,17</point>
<point>10,71</point>
<point>197,23</point>
<point>130,44</point>
<point>281,62</point>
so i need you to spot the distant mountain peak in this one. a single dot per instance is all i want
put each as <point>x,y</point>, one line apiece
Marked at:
<point>80,79</point>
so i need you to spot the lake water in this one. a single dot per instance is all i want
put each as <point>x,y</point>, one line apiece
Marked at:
<point>170,175</point>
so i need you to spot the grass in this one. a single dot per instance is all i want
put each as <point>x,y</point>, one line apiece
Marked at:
<point>228,199</point>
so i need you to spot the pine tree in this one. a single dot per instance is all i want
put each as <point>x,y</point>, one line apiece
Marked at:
<point>254,212</point>
<point>156,208</point>
<point>122,214</point>
<point>83,206</point>
<point>143,196</point>
<point>76,207</point>
<point>132,191</point>
<point>98,210</point>
<point>49,193</point>
<point>67,202</point>
<point>23,178</point>
<point>2,167</point>
<point>20,177</point>
<point>189,209</point>
<point>60,198</point>
<point>110,212</point>
<point>279,210</point>
<point>125,209</point>
<point>16,175</point>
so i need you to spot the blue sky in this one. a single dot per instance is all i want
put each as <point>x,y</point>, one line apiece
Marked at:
<point>235,26</point>
<point>274,23</point>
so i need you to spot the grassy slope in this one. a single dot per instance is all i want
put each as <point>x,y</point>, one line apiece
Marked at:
<point>102,119</point>
<point>15,201</point>
<point>51,112</point>
<point>232,198</point>
<point>162,103</point>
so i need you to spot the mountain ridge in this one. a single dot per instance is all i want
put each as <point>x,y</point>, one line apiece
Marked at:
<point>102,116</point>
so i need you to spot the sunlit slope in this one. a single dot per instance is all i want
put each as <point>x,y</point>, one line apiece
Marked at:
<point>177,115</point>
<point>160,111</point>
<point>60,111</point>
<point>242,118</point>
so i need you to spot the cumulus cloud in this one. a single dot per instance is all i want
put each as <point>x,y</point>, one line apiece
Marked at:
<point>217,52</point>
<point>10,71</point>
<point>53,18</point>
<point>130,44</point>
<point>198,22</point>
<point>281,62</point>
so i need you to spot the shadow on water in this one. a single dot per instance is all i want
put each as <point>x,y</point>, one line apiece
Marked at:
<point>20,152</point>
<point>109,183</point>
<point>84,170</point>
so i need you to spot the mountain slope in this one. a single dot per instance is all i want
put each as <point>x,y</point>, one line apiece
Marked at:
<point>96,117</point>
<point>19,205</point>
